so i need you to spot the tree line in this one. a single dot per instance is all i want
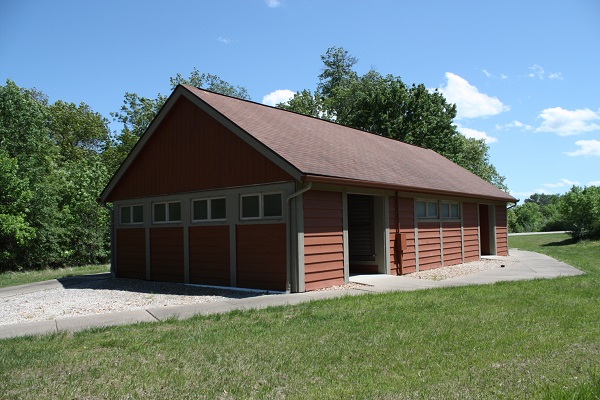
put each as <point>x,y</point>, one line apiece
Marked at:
<point>577,211</point>
<point>55,158</point>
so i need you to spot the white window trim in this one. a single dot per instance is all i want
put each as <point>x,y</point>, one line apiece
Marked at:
<point>450,203</point>
<point>130,206</point>
<point>209,209</point>
<point>261,210</point>
<point>168,221</point>
<point>427,216</point>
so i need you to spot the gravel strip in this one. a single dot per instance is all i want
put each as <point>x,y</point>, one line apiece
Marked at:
<point>107,296</point>
<point>114,295</point>
<point>455,271</point>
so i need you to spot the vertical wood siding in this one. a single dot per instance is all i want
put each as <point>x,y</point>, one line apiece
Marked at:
<point>261,256</point>
<point>131,253</point>
<point>430,252</point>
<point>191,151</point>
<point>323,239</point>
<point>166,254</point>
<point>452,242</point>
<point>501,231</point>
<point>470,231</point>
<point>209,255</point>
<point>406,226</point>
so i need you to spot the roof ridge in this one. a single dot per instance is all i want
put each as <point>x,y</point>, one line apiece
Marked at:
<point>307,116</point>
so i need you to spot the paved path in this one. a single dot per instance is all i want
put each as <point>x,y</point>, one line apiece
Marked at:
<point>530,266</point>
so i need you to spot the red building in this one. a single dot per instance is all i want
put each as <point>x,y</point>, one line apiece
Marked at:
<point>223,191</point>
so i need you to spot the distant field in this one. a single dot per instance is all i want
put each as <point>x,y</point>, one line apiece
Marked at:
<point>512,340</point>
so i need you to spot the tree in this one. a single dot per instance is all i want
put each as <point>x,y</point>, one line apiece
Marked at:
<point>581,207</point>
<point>386,106</point>
<point>51,170</point>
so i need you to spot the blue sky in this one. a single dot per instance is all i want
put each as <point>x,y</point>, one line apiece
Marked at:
<point>524,74</point>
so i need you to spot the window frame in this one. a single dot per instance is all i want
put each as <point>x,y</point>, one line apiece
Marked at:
<point>427,214</point>
<point>167,212</point>
<point>131,214</point>
<point>261,206</point>
<point>209,213</point>
<point>450,207</point>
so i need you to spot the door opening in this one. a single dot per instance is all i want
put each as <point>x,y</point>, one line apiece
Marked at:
<point>361,235</point>
<point>487,237</point>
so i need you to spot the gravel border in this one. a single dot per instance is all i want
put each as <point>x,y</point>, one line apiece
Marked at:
<point>115,295</point>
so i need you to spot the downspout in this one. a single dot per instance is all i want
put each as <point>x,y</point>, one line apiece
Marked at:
<point>112,237</point>
<point>291,235</point>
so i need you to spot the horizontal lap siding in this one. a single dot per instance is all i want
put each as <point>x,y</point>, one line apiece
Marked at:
<point>192,151</point>
<point>501,231</point>
<point>209,255</point>
<point>323,239</point>
<point>430,254</point>
<point>131,253</point>
<point>452,243</point>
<point>261,256</point>
<point>406,224</point>
<point>166,254</point>
<point>471,231</point>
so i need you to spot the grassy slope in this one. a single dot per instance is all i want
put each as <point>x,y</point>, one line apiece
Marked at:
<point>531,339</point>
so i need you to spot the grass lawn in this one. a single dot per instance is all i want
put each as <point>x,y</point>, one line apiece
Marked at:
<point>530,339</point>
<point>23,277</point>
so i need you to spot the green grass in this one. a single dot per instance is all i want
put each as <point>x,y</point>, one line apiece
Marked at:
<point>515,340</point>
<point>23,277</point>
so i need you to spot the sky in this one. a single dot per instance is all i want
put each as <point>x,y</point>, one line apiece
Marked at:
<point>525,75</point>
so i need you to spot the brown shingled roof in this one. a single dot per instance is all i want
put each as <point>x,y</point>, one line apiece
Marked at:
<point>324,151</point>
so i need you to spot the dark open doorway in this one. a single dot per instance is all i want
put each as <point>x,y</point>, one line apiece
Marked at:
<point>487,238</point>
<point>364,234</point>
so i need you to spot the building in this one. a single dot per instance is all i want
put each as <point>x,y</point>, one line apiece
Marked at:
<point>226,192</point>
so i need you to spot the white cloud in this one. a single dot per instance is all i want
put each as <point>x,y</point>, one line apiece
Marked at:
<point>470,103</point>
<point>562,183</point>
<point>555,75</point>
<point>492,76</point>
<point>586,148</point>
<point>475,134</point>
<point>278,96</point>
<point>594,183</point>
<point>516,125</point>
<point>565,122</point>
<point>273,3</point>
<point>538,72</point>
<point>224,40</point>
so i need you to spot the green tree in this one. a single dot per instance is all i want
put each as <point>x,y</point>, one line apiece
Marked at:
<point>51,172</point>
<point>385,105</point>
<point>581,208</point>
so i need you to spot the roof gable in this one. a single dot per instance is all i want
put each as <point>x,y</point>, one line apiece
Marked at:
<point>308,148</point>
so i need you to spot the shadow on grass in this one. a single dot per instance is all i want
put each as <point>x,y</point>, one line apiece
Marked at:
<point>565,242</point>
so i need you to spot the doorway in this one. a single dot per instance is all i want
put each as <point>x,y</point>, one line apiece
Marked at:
<point>365,234</point>
<point>487,233</point>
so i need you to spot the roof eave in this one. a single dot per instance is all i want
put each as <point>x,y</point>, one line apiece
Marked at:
<point>386,186</point>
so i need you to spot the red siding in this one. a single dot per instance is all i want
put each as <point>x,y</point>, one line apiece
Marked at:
<point>501,231</point>
<point>430,252</point>
<point>323,239</point>
<point>191,151</point>
<point>406,226</point>
<point>166,254</point>
<point>261,256</point>
<point>209,255</point>
<point>471,231</point>
<point>452,243</point>
<point>131,253</point>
